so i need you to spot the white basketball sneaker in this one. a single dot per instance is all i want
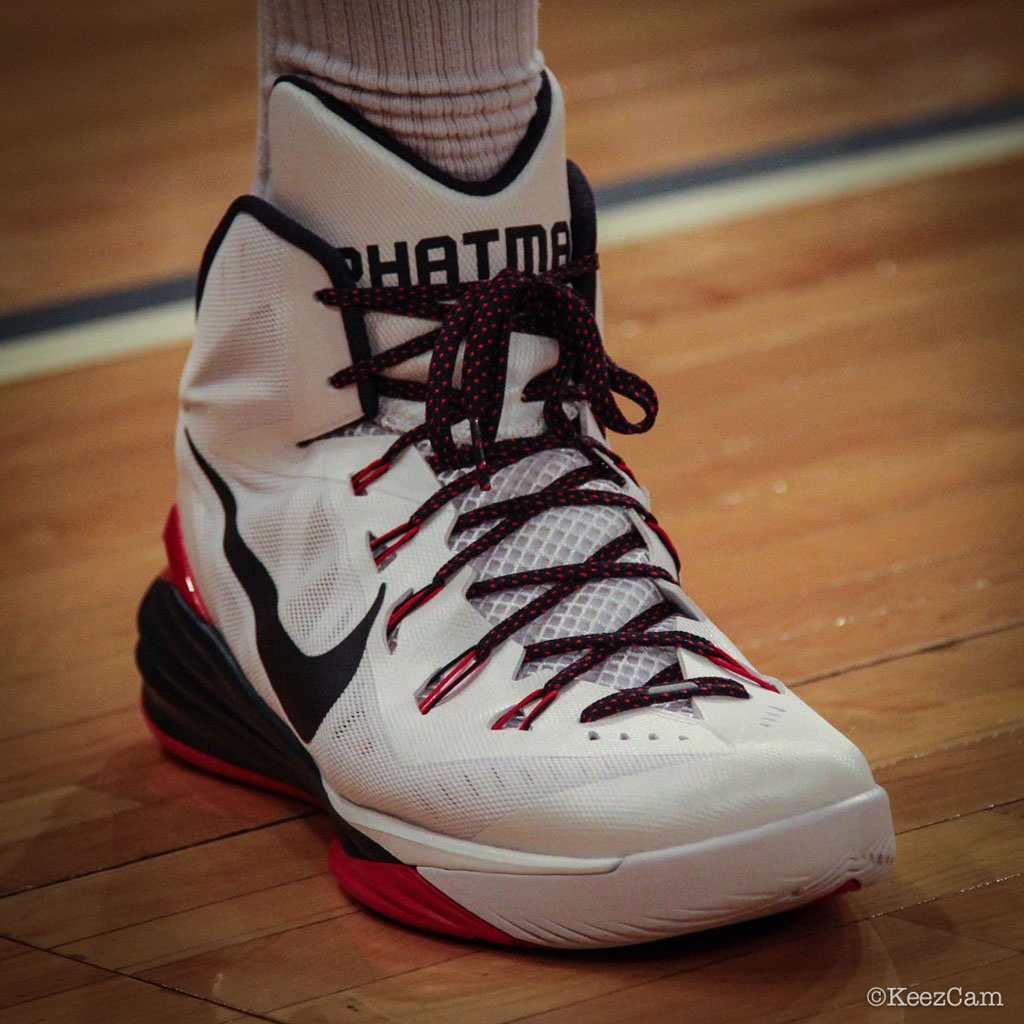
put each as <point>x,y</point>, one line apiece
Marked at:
<point>409,580</point>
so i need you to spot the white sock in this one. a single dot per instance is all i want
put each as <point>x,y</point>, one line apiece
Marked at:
<point>455,80</point>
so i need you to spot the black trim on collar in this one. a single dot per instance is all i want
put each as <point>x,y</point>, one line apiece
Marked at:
<point>324,253</point>
<point>583,226</point>
<point>520,157</point>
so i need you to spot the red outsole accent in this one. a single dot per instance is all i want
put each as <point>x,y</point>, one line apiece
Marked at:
<point>215,766</point>
<point>399,891</point>
<point>850,885</point>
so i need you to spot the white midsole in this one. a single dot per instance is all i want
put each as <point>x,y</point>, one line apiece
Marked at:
<point>418,846</point>
<point>414,845</point>
<point>687,888</point>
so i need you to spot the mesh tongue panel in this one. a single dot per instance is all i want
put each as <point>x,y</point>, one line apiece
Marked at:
<point>563,536</point>
<point>559,536</point>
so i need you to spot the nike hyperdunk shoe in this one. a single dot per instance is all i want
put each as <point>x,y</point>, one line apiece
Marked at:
<point>409,579</point>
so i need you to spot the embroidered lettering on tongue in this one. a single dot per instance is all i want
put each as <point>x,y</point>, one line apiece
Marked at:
<point>396,224</point>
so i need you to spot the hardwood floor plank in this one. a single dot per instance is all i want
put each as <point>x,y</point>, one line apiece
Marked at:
<point>859,1013</point>
<point>303,963</point>
<point>113,843</point>
<point>37,986</point>
<point>237,919</point>
<point>102,684</point>
<point>9,948</point>
<point>180,61</point>
<point>944,859</point>
<point>501,985</point>
<point>960,779</point>
<point>121,999</point>
<point>163,885</point>
<point>993,912</point>
<point>152,803</point>
<point>905,708</point>
<point>92,480</point>
<point>64,806</point>
<point>759,283</point>
<point>1003,977</point>
<point>647,85</point>
<point>33,973</point>
<point>789,980</point>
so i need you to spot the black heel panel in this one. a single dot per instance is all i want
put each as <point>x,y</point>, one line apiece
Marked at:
<point>194,692</point>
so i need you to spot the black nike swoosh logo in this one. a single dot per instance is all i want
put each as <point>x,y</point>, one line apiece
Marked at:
<point>306,685</point>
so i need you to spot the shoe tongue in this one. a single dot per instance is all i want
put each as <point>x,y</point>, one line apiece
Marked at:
<point>398,220</point>
<point>407,222</point>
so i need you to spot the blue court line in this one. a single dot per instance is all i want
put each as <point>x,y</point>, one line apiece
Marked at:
<point>609,197</point>
<point>816,151</point>
<point>97,307</point>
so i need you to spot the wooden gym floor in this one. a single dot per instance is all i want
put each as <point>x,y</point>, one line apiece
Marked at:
<point>840,457</point>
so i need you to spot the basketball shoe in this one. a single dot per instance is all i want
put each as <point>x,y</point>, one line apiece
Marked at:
<point>409,580</point>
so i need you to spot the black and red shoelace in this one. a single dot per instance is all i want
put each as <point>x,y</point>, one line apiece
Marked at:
<point>478,319</point>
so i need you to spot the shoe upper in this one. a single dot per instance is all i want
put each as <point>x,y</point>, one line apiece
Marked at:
<point>333,605</point>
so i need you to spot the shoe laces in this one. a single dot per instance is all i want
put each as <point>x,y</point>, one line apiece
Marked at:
<point>476,322</point>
